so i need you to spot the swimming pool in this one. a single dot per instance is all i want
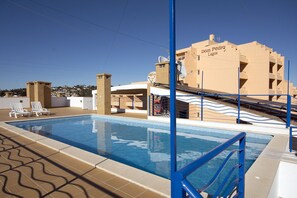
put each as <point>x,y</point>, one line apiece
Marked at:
<point>144,144</point>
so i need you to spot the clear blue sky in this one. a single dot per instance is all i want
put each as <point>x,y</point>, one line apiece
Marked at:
<point>68,42</point>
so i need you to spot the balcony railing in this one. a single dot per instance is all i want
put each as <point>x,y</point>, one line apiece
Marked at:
<point>243,90</point>
<point>271,76</point>
<point>271,91</point>
<point>138,104</point>
<point>129,104</point>
<point>243,59</point>
<point>243,75</point>
<point>271,59</point>
<point>115,103</point>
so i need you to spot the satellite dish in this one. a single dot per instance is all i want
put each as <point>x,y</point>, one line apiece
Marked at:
<point>151,77</point>
<point>162,59</point>
<point>182,72</point>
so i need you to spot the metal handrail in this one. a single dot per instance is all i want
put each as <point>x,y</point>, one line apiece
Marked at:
<point>180,176</point>
<point>291,137</point>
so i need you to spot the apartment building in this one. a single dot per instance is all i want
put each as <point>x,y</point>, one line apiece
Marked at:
<point>257,68</point>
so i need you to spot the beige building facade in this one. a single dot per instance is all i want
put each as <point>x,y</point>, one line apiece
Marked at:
<point>261,69</point>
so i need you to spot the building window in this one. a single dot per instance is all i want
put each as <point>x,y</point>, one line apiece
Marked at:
<point>198,72</point>
<point>198,57</point>
<point>198,86</point>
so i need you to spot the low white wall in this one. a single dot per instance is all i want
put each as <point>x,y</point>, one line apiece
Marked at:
<point>87,103</point>
<point>75,101</point>
<point>82,102</point>
<point>5,102</point>
<point>60,102</point>
<point>287,180</point>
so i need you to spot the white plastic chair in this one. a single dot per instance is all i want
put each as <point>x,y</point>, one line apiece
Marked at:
<point>17,109</point>
<point>38,109</point>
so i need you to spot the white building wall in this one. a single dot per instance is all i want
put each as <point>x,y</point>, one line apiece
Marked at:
<point>5,102</point>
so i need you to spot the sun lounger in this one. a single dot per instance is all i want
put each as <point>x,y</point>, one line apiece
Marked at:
<point>17,109</point>
<point>38,109</point>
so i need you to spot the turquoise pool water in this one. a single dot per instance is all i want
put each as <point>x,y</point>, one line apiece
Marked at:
<point>145,144</point>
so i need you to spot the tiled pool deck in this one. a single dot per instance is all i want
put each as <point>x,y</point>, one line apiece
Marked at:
<point>29,169</point>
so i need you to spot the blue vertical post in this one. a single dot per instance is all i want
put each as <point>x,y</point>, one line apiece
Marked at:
<point>201,103</point>
<point>241,173</point>
<point>176,190</point>
<point>290,140</point>
<point>238,98</point>
<point>288,123</point>
<point>288,83</point>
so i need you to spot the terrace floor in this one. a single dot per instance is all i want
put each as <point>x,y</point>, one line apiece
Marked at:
<point>28,169</point>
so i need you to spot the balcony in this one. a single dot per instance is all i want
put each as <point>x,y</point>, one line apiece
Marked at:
<point>115,103</point>
<point>279,76</point>
<point>138,104</point>
<point>271,76</point>
<point>271,91</point>
<point>243,75</point>
<point>279,61</point>
<point>129,104</point>
<point>243,59</point>
<point>271,59</point>
<point>243,90</point>
<point>279,91</point>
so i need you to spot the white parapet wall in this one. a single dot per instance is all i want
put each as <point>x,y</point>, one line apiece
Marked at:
<point>287,180</point>
<point>60,102</point>
<point>5,102</point>
<point>82,102</point>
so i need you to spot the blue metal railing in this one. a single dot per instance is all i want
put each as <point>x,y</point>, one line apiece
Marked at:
<point>293,129</point>
<point>181,185</point>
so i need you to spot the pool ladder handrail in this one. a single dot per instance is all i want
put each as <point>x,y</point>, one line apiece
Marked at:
<point>184,186</point>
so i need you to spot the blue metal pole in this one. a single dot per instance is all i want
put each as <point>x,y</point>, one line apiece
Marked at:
<point>238,98</point>
<point>291,136</point>
<point>176,190</point>
<point>288,123</point>
<point>242,142</point>
<point>288,83</point>
<point>202,94</point>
